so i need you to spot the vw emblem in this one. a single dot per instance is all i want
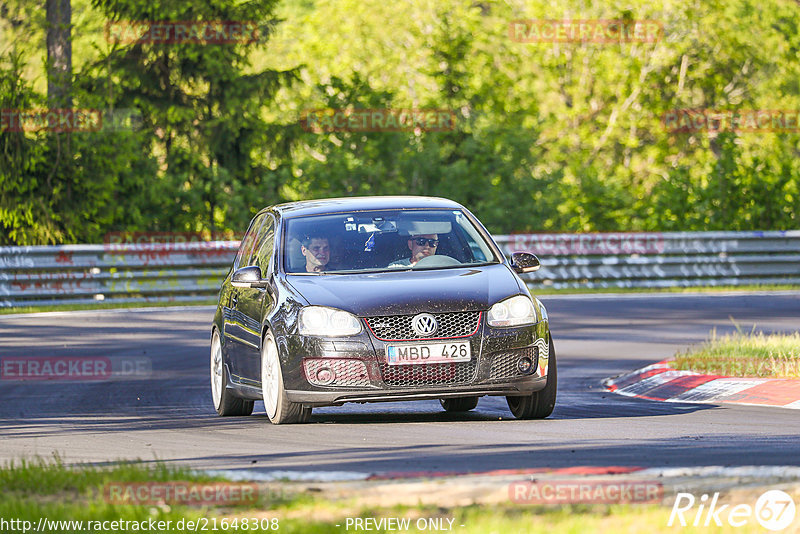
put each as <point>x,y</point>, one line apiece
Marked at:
<point>424,324</point>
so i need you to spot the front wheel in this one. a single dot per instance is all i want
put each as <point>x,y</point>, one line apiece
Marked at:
<point>225,403</point>
<point>541,403</point>
<point>280,409</point>
<point>460,404</point>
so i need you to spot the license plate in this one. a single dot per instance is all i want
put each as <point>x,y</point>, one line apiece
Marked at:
<point>427,353</point>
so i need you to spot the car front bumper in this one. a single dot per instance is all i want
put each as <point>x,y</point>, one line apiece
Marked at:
<point>362,374</point>
<point>331,398</point>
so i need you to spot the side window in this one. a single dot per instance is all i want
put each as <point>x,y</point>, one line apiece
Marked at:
<point>248,242</point>
<point>264,245</point>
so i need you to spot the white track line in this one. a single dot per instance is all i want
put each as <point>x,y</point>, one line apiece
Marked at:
<point>291,476</point>
<point>200,307</point>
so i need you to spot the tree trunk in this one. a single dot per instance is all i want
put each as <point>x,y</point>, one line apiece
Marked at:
<point>59,54</point>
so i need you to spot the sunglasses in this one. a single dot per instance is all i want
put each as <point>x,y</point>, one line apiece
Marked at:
<point>422,240</point>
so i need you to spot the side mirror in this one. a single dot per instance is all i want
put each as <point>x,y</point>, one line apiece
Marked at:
<point>248,277</point>
<point>523,262</point>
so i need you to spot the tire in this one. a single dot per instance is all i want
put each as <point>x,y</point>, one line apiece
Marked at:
<point>459,404</point>
<point>280,409</point>
<point>225,402</point>
<point>540,404</point>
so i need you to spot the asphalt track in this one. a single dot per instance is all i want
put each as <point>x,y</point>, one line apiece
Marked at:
<point>168,415</point>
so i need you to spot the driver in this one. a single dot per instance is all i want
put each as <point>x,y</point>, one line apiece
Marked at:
<point>317,252</point>
<point>421,246</point>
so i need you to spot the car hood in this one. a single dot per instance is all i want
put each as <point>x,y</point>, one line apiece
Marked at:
<point>406,292</point>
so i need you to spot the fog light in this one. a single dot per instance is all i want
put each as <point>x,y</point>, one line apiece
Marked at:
<point>325,376</point>
<point>524,365</point>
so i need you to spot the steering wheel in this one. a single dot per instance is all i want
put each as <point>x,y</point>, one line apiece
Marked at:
<point>437,260</point>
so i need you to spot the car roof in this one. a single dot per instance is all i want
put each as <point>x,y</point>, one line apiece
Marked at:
<point>334,205</point>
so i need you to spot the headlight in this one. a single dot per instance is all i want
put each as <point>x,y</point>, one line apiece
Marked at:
<point>322,321</point>
<point>516,311</point>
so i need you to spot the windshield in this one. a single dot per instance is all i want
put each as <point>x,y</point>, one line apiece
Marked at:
<point>386,240</point>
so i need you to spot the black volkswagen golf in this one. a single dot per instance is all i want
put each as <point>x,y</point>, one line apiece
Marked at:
<point>372,299</point>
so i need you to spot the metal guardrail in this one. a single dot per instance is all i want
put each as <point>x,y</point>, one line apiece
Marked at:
<point>189,271</point>
<point>85,274</point>
<point>657,260</point>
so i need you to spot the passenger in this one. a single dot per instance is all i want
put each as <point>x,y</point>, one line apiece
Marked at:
<point>317,252</point>
<point>421,246</point>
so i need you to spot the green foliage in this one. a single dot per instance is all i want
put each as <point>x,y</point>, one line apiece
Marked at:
<point>573,131</point>
<point>548,137</point>
<point>60,187</point>
<point>19,158</point>
<point>203,109</point>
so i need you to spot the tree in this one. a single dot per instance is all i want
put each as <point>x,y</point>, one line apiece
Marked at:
<point>203,105</point>
<point>59,54</point>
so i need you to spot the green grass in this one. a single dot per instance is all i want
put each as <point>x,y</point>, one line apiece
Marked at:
<point>577,519</point>
<point>46,477</point>
<point>502,519</point>
<point>700,289</point>
<point>106,306</point>
<point>35,489</point>
<point>743,354</point>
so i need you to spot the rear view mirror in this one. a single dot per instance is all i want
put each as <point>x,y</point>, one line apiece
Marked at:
<point>524,262</point>
<point>378,225</point>
<point>411,227</point>
<point>248,277</point>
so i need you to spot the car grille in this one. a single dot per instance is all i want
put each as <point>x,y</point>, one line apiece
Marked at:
<point>504,364</point>
<point>346,372</point>
<point>429,375</point>
<point>398,327</point>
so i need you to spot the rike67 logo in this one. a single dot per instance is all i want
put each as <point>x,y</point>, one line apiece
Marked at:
<point>774,510</point>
